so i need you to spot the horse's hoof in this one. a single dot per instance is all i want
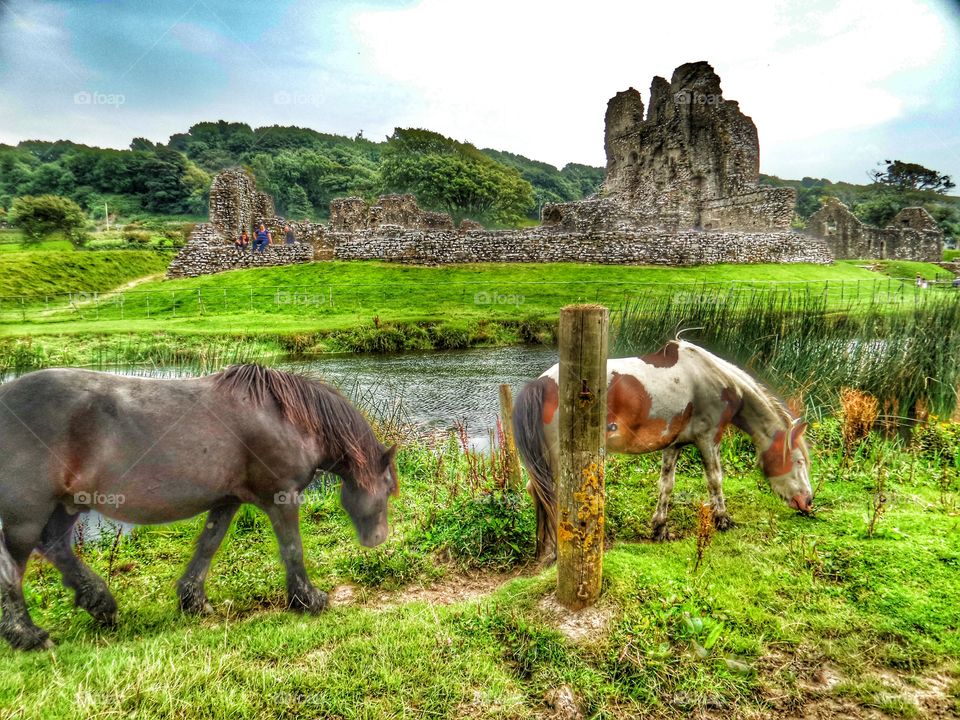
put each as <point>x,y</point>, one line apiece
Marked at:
<point>101,606</point>
<point>723,522</point>
<point>27,637</point>
<point>310,601</point>
<point>661,533</point>
<point>194,603</point>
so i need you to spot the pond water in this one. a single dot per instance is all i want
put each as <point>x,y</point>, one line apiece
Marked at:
<point>435,389</point>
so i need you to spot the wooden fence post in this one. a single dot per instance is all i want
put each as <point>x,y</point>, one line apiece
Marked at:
<point>514,478</point>
<point>580,480</point>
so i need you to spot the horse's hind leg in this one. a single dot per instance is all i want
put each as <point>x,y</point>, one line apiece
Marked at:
<point>668,471</point>
<point>714,471</point>
<point>302,596</point>
<point>90,591</point>
<point>15,624</point>
<point>193,598</point>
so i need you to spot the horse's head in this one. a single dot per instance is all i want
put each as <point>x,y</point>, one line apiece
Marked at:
<point>364,496</point>
<point>786,464</point>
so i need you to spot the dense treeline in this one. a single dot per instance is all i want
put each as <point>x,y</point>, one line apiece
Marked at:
<point>155,180</point>
<point>303,169</point>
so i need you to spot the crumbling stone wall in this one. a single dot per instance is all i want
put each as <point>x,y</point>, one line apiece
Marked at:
<point>693,162</point>
<point>915,218</point>
<point>206,252</point>
<point>236,204</point>
<point>761,209</point>
<point>353,214</point>
<point>912,234</point>
<point>545,244</point>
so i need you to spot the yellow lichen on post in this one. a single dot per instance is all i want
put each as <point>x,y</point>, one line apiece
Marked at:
<point>582,430</point>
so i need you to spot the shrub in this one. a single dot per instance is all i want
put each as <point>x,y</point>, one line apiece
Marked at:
<point>134,235</point>
<point>859,411</point>
<point>938,440</point>
<point>495,528</point>
<point>42,215</point>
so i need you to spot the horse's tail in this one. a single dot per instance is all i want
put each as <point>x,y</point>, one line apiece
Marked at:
<point>532,445</point>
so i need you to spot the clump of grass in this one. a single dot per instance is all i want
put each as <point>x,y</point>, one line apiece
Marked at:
<point>387,567</point>
<point>859,411</point>
<point>487,522</point>
<point>938,440</point>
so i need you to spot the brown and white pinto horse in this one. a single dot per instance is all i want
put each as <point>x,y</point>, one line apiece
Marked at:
<point>680,395</point>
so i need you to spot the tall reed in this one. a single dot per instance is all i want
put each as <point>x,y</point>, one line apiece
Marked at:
<point>901,349</point>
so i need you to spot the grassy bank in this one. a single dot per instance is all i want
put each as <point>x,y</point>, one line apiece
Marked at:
<point>43,276</point>
<point>210,352</point>
<point>786,614</point>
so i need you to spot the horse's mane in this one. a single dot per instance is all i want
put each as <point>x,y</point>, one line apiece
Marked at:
<point>770,401</point>
<point>312,406</point>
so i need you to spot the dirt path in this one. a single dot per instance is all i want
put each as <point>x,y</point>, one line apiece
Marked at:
<point>102,296</point>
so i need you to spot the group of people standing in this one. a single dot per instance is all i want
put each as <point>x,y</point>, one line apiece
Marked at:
<point>262,238</point>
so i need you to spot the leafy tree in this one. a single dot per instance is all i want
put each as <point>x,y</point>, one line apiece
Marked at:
<point>586,178</point>
<point>40,216</point>
<point>456,177</point>
<point>879,208</point>
<point>911,176</point>
<point>298,206</point>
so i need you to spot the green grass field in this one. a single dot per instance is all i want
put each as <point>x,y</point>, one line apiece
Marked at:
<point>338,295</point>
<point>42,274</point>
<point>360,306</point>
<point>787,615</point>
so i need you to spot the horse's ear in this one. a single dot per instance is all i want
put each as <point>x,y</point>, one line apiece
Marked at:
<point>797,431</point>
<point>389,456</point>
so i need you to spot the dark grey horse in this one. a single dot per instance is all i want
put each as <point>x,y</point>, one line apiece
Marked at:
<point>154,451</point>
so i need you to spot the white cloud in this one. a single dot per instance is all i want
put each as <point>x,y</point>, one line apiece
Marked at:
<point>829,84</point>
<point>534,77</point>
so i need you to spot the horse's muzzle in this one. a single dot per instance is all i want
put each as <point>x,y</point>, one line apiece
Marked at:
<point>802,502</point>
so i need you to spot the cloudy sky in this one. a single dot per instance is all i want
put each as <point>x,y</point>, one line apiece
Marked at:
<point>833,87</point>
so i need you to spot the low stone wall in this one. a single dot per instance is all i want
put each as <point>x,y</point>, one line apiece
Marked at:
<point>207,252</point>
<point>651,247</point>
<point>762,209</point>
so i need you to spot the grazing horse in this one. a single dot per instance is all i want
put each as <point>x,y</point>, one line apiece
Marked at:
<point>149,451</point>
<point>680,395</point>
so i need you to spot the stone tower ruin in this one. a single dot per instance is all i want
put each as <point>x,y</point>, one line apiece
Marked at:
<point>691,161</point>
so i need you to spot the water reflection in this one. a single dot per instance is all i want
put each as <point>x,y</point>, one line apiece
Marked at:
<point>435,389</point>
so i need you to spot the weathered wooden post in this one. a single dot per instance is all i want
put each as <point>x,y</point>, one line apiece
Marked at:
<point>514,478</point>
<point>580,485</point>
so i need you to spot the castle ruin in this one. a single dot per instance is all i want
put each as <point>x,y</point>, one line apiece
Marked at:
<point>681,188</point>
<point>692,163</point>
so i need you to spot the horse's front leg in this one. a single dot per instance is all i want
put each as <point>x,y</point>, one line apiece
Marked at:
<point>302,596</point>
<point>714,471</point>
<point>193,598</point>
<point>668,471</point>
